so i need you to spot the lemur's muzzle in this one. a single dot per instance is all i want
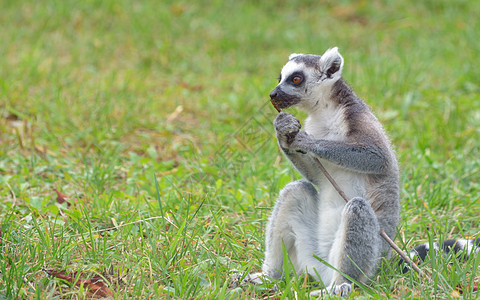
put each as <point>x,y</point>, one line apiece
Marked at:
<point>281,100</point>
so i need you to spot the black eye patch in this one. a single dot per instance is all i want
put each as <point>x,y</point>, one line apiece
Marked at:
<point>296,79</point>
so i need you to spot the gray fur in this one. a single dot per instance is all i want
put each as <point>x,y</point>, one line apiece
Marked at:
<point>293,214</point>
<point>342,132</point>
<point>360,157</point>
<point>309,60</point>
<point>361,241</point>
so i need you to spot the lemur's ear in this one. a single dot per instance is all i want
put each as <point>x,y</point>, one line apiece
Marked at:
<point>293,55</point>
<point>331,64</point>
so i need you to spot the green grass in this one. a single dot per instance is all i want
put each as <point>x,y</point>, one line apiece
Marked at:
<point>153,116</point>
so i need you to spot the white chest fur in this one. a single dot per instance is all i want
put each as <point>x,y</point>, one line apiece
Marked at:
<point>331,204</point>
<point>329,124</point>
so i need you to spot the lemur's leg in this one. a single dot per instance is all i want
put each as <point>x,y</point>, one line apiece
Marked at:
<point>356,249</point>
<point>293,223</point>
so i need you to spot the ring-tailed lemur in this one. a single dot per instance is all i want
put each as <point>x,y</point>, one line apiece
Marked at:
<point>310,219</point>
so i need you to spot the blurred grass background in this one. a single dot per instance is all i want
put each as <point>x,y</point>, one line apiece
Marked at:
<point>144,109</point>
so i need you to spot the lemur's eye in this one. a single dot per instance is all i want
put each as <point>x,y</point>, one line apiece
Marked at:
<point>297,79</point>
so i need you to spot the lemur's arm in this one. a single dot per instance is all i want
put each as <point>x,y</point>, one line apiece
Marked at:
<point>296,144</point>
<point>304,165</point>
<point>362,158</point>
<point>287,128</point>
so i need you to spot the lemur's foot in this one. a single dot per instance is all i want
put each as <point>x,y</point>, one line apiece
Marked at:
<point>342,290</point>
<point>254,278</point>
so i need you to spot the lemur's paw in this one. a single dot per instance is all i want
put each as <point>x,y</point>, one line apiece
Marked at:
<point>342,290</point>
<point>300,142</point>
<point>287,127</point>
<point>286,123</point>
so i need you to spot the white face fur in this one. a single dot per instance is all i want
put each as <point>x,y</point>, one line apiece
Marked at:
<point>306,78</point>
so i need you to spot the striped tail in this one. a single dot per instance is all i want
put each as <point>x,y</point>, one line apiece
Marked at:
<point>463,247</point>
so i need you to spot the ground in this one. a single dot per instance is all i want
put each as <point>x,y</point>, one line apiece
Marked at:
<point>152,121</point>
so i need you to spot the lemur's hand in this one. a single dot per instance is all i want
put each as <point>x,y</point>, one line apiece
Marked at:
<point>287,127</point>
<point>301,142</point>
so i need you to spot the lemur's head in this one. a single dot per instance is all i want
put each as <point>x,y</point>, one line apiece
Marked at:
<point>306,78</point>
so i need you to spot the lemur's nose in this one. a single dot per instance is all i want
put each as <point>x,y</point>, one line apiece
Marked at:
<point>273,94</point>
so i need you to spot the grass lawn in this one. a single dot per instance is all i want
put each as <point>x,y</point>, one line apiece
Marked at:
<point>152,119</point>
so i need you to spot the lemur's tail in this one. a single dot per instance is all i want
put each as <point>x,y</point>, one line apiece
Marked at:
<point>461,247</point>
